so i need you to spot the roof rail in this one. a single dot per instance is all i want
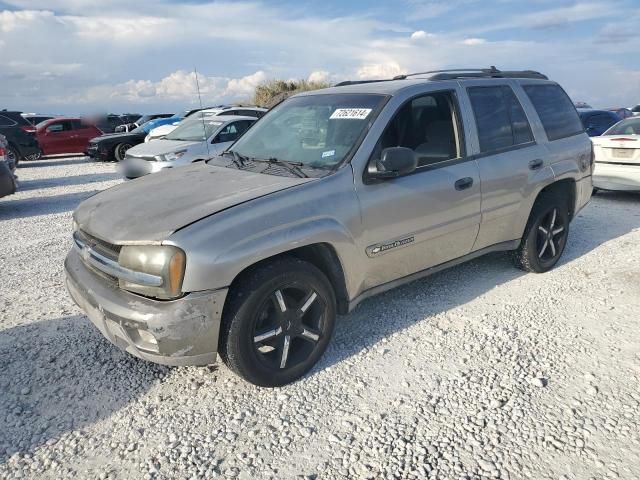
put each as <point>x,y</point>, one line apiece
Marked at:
<point>453,73</point>
<point>491,72</point>
<point>359,82</point>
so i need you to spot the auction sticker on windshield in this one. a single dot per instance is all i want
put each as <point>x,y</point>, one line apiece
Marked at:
<point>350,113</point>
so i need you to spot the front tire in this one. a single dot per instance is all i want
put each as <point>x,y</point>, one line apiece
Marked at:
<point>278,322</point>
<point>545,236</point>
<point>120,151</point>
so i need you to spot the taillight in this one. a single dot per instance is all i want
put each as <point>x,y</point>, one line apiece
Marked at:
<point>3,153</point>
<point>623,139</point>
<point>28,128</point>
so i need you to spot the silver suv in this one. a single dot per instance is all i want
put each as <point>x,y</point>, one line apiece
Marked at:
<point>332,197</point>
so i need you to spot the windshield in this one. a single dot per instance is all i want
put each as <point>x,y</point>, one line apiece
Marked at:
<point>630,126</point>
<point>313,130</point>
<point>194,130</point>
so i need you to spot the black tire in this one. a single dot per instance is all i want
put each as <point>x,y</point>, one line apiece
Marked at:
<point>120,150</point>
<point>254,310</point>
<point>13,157</point>
<point>545,235</point>
<point>594,191</point>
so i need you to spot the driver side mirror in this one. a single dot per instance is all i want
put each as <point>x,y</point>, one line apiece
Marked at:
<point>394,162</point>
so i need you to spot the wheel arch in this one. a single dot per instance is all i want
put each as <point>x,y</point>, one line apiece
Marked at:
<point>323,256</point>
<point>565,187</point>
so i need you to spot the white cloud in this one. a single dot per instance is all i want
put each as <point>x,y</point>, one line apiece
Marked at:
<point>420,35</point>
<point>380,70</point>
<point>22,20</point>
<point>474,41</point>
<point>319,76</point>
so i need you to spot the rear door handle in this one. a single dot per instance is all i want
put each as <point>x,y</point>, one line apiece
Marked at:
<point>463,183</point>
<point>535,164</point>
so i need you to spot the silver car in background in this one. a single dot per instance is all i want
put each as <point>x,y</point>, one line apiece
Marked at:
<point>194,140</point>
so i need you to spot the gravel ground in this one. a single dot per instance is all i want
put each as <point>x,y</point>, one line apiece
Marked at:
<point>477,372</point>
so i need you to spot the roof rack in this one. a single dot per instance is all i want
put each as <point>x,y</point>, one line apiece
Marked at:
<point>491,72</point>
<point>453,73</point>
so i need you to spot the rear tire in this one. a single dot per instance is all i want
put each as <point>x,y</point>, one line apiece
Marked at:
<point>594,191</point>
<point>278,322</point>
<point>545,235</point>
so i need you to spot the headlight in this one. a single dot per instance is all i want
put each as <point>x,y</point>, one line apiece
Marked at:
<point>164,261</point>
<point>171,156</point>
<point>147,138</point>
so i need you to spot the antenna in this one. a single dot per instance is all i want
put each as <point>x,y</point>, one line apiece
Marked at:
<point>204,129</point>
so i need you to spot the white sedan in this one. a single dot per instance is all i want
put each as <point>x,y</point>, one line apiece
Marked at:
<point>617,157</point>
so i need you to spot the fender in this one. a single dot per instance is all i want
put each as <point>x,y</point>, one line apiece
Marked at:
<point>223,245</point>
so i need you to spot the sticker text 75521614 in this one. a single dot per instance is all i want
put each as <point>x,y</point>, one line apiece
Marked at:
<point>350,113</point>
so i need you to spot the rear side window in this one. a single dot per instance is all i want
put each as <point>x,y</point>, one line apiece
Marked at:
<point>6,122</point>
<point>557,114</point>
<point>500,119</point>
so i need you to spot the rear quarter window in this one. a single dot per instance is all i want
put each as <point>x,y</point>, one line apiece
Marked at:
<point>556,111</point>
<point>6,122</point>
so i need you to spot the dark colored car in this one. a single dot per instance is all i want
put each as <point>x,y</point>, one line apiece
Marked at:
<point>20,135</point>
<point>106,123</point>
<point>596,122</point>
<point>65,135</point>
<point>7,179</point>
<point>129,117</point>
<point>622,112</point>
<point>141,121</point>
<point>110,147</point>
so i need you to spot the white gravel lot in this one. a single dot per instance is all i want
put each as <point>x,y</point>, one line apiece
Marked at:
<point>477,372</point>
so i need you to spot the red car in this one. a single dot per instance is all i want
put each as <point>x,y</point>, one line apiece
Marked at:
<point>65,135</point>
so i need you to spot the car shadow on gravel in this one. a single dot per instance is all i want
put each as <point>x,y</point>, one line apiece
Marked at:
<point>53,162</point>
<point>67,181</point>
<point>59,376</point>
<point>383,315</point>
<point>42,205</point>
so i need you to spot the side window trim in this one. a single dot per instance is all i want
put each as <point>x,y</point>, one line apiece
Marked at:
<point>458,131</point>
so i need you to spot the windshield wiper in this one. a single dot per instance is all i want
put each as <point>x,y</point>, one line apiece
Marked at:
<point>293,167</point>
<point>238,160</point>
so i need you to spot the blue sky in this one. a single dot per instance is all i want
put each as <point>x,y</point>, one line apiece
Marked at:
<point>75,56</point>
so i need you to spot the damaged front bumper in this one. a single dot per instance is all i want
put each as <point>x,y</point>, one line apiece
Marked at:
<point>177,332</point>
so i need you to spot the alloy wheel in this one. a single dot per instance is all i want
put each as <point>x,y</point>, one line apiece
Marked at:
<point>121,150</point>
<point>288,327</point>
<point>550,236</point>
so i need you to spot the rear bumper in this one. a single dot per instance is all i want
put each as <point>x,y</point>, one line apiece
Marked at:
<point>176,333</point>
<point>616,177</point>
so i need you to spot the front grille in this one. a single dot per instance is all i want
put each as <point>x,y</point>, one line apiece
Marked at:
<point>106,249</point>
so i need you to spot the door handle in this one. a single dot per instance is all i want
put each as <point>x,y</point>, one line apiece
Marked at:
<point>463,183</point>
<point>535,164</point>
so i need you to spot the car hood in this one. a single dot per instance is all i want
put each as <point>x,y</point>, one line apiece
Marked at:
<point>159,147</point>
<point>116,137</point>
<point>163,130</point>
<point>149,209</point>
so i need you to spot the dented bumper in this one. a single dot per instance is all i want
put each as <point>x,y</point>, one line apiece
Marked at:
<point>177,332</point>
